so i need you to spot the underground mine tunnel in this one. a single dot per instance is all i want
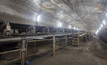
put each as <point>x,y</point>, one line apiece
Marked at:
<point>53,32</point>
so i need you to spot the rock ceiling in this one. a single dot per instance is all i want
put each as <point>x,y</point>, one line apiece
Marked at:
<point>83,14</point>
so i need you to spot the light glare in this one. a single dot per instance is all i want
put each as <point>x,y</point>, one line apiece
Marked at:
<point>38,18</point>
<point>101,25</point>
<point>77,29</point>
<point>104,22</point>
<point>97,31</point>
<point>59,24</point>
<point>74,28</point>
<point>106,14</point>
<point>69,27</point>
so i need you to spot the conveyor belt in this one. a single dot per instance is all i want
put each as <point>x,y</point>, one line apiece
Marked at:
<point>32,37</point>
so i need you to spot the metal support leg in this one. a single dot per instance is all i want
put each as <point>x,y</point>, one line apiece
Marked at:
<point>67,31</point>
<point>48,31</point>
<point>35,47</point>
<point>54,44</point>
<point>63,31</point>
<point>57,31</point>
<point>20,50</point>
<point>23,51</point>
<point>26,48</point>
<point>13,31</point>
<point>78,37</point>
<point>34,30</point>
<point>1,51</point>
<point>66,40</point>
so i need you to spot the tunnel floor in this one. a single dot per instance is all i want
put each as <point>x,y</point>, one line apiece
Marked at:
<point>93,52</point>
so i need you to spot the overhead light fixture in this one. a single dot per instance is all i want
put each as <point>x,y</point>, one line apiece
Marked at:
<point>74,28</point>
<point>77,29</point>
<point>101,25</point>
<point>59,24</point>
<point>104,22</point>
<point>97,31</point>
<point>69,27</point>
<point>38,18</point>
<point>99,28</point>
<point>106,14</point>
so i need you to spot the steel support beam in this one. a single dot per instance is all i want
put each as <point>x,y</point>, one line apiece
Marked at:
<point>63,30</point>
<point>35,47</point>
<point>26,48</point>
<point>54,41</point>
<point>66,40</point>
<point>23,51</point>
<point>34,30</point>
<point>48,30</point>
<point>57,31</point>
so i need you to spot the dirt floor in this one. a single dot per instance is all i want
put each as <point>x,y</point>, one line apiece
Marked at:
<point>93,52</point>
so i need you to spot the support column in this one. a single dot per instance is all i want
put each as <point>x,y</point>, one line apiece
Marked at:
<point>66,40</point>
<point>23,51</point>
<point>48,30</point>
<point>70,31</point>
<point>13,31</point>
<point>35,47</point>
<point>54,41</point>
<point>34,30</point>
<point>57,31</point>
<point>1,49</point>
<point>78,36</point>
<point>26,48</point>
<point>67,30</point>
<point>63,30</point>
